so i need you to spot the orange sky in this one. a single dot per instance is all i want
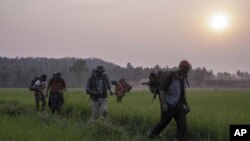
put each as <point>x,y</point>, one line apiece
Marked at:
<point>143,32</point>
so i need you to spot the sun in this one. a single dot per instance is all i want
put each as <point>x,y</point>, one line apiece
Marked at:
<point>219,21</point>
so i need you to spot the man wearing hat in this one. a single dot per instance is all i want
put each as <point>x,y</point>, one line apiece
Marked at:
<point>97,87</point>
<point>173,101</point>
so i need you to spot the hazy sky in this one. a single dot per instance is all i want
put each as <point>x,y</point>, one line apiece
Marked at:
<point>143,32</point>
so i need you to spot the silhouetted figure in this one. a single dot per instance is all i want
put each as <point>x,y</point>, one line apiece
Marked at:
<point>56,87</point>
<point>173,101</point>
<point>38,88</point>
<point>97,87</point>
<point>121,88</point>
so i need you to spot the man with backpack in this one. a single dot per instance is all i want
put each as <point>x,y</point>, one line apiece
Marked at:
<point>55,88</point>
<point>97,87</point>
<point>38,87</point>
<point>172,93</point>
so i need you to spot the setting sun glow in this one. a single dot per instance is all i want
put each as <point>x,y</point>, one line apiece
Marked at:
<point>219,21</point>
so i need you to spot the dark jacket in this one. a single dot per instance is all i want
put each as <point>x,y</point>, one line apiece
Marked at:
<point>92,88</point>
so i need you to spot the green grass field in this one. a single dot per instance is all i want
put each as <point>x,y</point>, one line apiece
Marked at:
<point>211,114</point>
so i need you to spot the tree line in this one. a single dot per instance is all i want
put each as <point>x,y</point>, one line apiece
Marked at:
<point>18,72</point>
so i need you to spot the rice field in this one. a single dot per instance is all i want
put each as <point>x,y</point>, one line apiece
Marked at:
<point>212,111</point>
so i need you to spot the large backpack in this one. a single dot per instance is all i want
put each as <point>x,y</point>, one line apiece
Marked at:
<point>32,82</point>
<point>155,79</point>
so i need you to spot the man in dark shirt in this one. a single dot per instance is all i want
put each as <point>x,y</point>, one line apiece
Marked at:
<point>97,87</point>
<point>56,87</point>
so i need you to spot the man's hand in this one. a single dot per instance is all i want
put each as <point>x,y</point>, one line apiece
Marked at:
<point>186,108</point>
<point>164,107</point>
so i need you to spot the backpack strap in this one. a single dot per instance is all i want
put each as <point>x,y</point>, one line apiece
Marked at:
<point>187,82</point>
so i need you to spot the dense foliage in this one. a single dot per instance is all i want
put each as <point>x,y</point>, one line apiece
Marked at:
<point>17,72</point>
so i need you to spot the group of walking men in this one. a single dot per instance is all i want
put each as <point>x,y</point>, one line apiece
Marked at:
<point>172,94</point>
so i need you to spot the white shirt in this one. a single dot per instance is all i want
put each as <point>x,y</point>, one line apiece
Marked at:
<point>40,85</point>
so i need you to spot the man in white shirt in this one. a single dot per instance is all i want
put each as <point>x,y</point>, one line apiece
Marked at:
<point>39,87</point>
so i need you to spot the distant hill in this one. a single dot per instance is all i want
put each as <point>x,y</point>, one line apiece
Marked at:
<point>17,72</point>
<point>94,62</point>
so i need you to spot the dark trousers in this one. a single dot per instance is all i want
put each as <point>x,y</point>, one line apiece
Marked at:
<point>119,98</point>
<point>56,101</point>
<point>179,114</point>
<point>39,96</point>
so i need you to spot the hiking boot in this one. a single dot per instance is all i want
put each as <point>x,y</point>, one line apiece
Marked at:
<point>151,136</point>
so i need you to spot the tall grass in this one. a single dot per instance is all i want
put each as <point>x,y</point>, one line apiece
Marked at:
<point>211,114</point>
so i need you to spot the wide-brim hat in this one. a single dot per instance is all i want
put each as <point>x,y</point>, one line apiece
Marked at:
<point>100,69</point>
